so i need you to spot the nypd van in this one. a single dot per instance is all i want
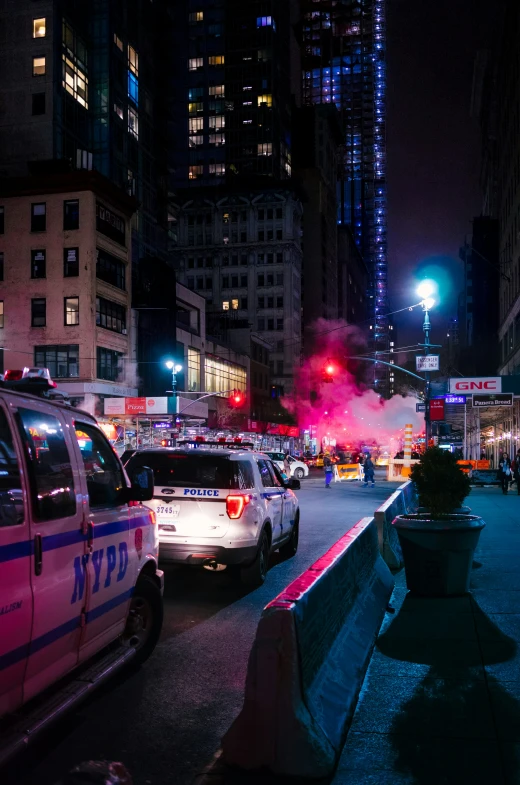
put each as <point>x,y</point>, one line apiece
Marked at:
<point>221,505</point>
<point>78,559</point>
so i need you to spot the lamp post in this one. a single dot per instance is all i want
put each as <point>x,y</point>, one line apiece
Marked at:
<point>425,291</point>
<point>175,368</point>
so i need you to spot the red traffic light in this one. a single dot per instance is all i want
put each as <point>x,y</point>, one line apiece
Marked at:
<point>236,398</point>
<point>328,372</point>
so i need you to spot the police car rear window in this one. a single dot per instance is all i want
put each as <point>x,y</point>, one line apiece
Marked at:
<point>179,471</point>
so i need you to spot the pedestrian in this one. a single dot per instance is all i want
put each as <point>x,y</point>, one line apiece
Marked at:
<point>287,465</point>
<point>327,465</point>
<point>368,468</point>
<point>504,472</point>
<point>515,468</point>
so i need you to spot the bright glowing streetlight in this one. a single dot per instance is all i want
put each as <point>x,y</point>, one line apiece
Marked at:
<point>426,289</point>
<point>175,368</point>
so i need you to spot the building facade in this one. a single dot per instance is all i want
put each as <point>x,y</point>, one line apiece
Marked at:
<point>344,64</point>
<point>65,283</point>
<point>87,86</point>
<point>242,252</point>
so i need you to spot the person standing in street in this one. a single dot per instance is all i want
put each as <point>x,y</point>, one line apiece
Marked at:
<point>504,472</point>
<point>287,465</point>
<point>516,470</point>
<point>327,466</point>
<point>368,468</point>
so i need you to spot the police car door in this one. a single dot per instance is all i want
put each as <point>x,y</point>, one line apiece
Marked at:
<point>110,568</point>
<point>57,543</point>
<point>15,571</point>
<point>289,505</point>
<point>273,493</point>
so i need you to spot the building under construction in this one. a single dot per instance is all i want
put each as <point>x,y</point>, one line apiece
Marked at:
<point>344,63</point>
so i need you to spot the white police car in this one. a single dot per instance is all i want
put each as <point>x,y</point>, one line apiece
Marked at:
<point>219,505</point>
<point>78,557</point>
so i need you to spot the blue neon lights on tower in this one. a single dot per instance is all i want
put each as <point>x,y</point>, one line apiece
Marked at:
<point>344,64</point>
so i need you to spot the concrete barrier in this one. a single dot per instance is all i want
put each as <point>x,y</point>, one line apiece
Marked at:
<point>410,496</point>
<point>308,661</point>
<point>403,500</point>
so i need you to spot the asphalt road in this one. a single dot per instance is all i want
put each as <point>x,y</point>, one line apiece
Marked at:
<point>166,720</point>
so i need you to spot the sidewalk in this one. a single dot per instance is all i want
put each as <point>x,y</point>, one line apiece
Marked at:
<point>440,704</point>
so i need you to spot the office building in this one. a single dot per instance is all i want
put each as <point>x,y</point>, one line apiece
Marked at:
<point>344,64</point>
<point>86,86</point>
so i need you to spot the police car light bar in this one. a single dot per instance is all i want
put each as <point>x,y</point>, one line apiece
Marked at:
<point>36,381</point>
<point>225,445</point>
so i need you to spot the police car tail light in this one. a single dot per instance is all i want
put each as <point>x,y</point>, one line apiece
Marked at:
<point>235,505</point>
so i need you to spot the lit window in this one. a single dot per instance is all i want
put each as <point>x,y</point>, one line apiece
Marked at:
<point>225,305</point>
<point>118,109</point>
<point>194,93</point>
<point>194,172</point>
<point>265,100</point>
<point>234,305</point>
<point>38,66</point>
<point>195,62</point>
<point>217,169</point>
<point>195,141</point>
<point>71,310</point>
<point>133,122</point>
<point>74,70</point>
<point>217,90</point>
<point>247,87</point>
<point>118,42</point>
<point>193,108</point>
<point>266,148</point>
<point>133,60</point>
<point>195,124</point>
<point>39,28</point>
<point>217,139</point>
<point>247,103</point>
<point>265,21</point>
<point>218,121</point>
<point>216,60</point>
<point>246,122</point>
<point>196,16</point>
<point>133,88</point>
<point>1,313</point>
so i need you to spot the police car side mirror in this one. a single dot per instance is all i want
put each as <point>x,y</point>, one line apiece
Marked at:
<point>293,484</point>
<point>142,483</point>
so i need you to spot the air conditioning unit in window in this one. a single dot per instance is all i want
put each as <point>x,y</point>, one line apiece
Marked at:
<point>124,331</point>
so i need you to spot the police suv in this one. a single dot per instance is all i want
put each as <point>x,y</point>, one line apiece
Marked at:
<point>78,558</point>
<point>221,505</point>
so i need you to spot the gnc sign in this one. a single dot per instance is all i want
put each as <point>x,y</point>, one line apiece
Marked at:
<point>483,384</point>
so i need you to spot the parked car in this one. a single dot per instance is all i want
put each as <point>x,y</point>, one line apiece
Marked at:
<point>79,558</point>
<point>299,469</point>
<point>221,506</point>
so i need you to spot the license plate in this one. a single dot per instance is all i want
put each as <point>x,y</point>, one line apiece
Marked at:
<point>169,512</point>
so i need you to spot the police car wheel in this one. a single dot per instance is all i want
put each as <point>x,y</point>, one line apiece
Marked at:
<point>290,548</point>
<point>144,621</point>
<point>299,473</point>
<point>256,573</point>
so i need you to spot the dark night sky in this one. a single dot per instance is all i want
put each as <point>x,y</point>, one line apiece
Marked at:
<point>433,146</point>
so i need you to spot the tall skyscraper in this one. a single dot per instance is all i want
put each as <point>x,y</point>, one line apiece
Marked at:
<point>86,86</point>
<point>344,64</point>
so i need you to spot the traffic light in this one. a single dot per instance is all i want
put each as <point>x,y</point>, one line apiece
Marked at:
<point>328,372</point>
<point>236,398</point>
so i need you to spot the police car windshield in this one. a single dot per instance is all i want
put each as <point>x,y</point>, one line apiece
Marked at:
<point>177,470</point>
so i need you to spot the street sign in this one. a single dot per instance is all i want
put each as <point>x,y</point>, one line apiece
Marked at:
<point>420,407</point>
<point>500,399</point>
<point>428,363</point>
<point>437,409</point>
<point>455,399</point>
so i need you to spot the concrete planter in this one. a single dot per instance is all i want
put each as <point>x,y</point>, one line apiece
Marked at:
<point>462,510</point>
<point>438,554</point>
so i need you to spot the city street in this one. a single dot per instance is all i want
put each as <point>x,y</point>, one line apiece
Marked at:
<point>165,721</point>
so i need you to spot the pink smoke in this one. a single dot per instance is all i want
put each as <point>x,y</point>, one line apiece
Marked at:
<point>346,410</point>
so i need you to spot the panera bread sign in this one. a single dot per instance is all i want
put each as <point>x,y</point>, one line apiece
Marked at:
<point>477,384</point>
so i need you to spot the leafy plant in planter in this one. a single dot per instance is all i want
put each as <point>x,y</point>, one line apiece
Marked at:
<point>441,484</point>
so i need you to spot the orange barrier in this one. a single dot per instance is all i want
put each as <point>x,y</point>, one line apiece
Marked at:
<point>346,471</point>
<point>466,466</point>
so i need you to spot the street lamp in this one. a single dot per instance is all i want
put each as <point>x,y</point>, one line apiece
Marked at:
<point>175,368</point>
<point>425,291</point>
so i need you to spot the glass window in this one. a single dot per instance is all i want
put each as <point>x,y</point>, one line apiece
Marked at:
<point>38,312</point>
<point>180,471</point>
<point>216,60</point>
<point>11,494</point>
<point>275,474</point>
<point>265,474</point>
<point>118,42</point>
<point>105,483</point>
<point>38,103</point>
<point>221,375</point>
<point>266,99</point>
<point>265,21</point>
<point>110,269</point>
<point>133,122</point>
<point>217,121</point>
<point>109,364</point>
<point>217,139</point>
<point>217,169</point>
<point>39,27</point>
<point>1,220</point>
<point>110,315</point>
<point>1,265</point>
<point>38,66</point>
<point>38,264</point>
<point>217,90</point>
<point>265,148</point>
<point>38,217</point>
<point>193,369</point>
<point>1,313</point>
<point>246,478</point>
<point>70,214</point>
<point>196,16</point>
<point>195,62</point>
<point>70,262</point>
<point>194,172</point>
<point>71,310</point>
<point>61,360</point>
<point>225,305</point>
<point>133,60</point>
<point>74,65</point>
<point>133,88</point>
<point>50,470</point>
